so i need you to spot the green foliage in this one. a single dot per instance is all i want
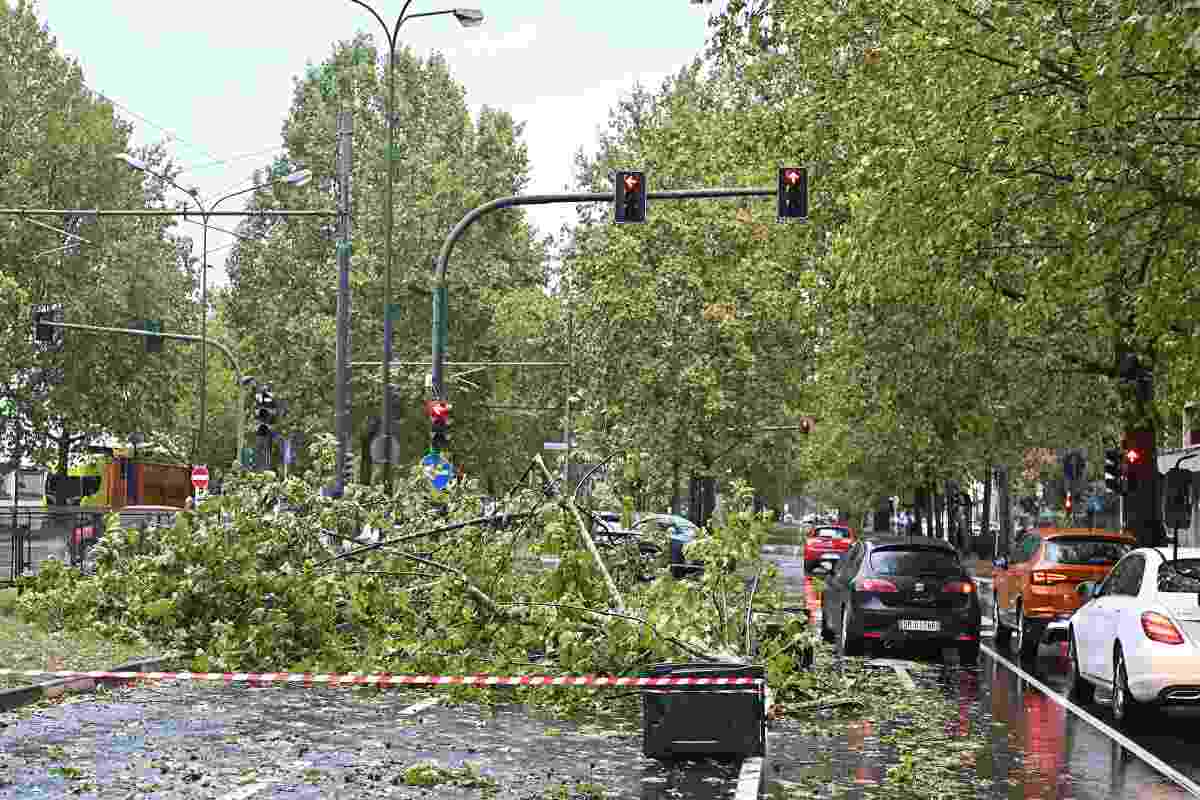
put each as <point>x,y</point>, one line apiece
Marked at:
<point>444,164</point>
<point>235,585</point>
<point>57,140</point>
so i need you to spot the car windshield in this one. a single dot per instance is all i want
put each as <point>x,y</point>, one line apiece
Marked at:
<point>1085,551</point>
<point>831,532</point>
<point>1180,576</point>
<point>914,561</point>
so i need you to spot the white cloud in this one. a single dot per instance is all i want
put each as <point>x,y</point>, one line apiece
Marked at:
<point>489,45</point>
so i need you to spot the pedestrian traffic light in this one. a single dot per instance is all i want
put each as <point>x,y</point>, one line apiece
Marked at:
<point>439,418</point>
<point>266,411</point>
<point>1113,471</point>
<point>629,199</point>
<point>792,196</point>
<point>1137,469</point>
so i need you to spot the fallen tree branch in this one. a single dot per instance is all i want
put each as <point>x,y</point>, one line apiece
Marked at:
<point>620,614</point>
<point>410,536</point>
<point>569,503</point>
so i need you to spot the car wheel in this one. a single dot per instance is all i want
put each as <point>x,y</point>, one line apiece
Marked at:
<point>1079,690</point>
<point>848,644</point>
<point>1027,635</point>
<point>1126,709</point>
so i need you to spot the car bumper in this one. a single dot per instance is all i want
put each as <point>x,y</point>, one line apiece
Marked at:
<point>883,624</point>
<point>1164,673</point>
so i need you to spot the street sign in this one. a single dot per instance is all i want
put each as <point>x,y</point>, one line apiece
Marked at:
<point>200,478</point>
<point>1095,504</point>
<point>438,470</point>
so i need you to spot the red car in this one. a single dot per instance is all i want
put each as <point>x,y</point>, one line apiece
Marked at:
<point>826,543</point>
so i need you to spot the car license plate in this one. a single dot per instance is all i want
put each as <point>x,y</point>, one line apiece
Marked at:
<point>920,625</point>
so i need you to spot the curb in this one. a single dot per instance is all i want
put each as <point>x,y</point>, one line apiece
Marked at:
<point>12,699</point>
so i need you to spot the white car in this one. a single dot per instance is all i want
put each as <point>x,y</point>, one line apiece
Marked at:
<point>1138,635</point>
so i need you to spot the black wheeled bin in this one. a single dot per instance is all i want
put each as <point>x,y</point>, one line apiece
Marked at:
<point>715,721</point>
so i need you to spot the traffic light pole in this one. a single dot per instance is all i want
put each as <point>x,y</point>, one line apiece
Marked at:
<point>237,370</point>
<point>440,298</point>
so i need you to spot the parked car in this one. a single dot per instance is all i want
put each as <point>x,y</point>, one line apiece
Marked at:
<point>826,543</point>
<point>1138,634</point>
<point>674,530</point>
<point>1035,583</point>
<point>893,589</point>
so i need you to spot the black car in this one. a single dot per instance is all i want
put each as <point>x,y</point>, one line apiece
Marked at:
<point>897,589</point>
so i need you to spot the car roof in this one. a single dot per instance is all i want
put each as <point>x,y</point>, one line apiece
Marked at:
<point>890,540</point>
<point>127,509</point>
<point>1082,533</point>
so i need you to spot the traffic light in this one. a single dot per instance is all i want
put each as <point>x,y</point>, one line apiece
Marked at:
<point>1113,471</point>
<point>1070,503</point>
<point>1136,467</point>
<point>154,344</point>
<point>629,199</point>
<point>792,196</point>
<point>439,419</point>
<point>49,337</point>
<point>266,411</point>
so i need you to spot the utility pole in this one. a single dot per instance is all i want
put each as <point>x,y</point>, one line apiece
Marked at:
<point>1005,507</point>
<point>341,413</point>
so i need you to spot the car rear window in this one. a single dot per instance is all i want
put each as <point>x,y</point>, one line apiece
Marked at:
<point>1180,576</point>
<point>907,560</point>
<point>1085,551</point>
<point>831,533</point>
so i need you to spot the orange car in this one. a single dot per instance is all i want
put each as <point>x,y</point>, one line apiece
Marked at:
<point>1034,586</point>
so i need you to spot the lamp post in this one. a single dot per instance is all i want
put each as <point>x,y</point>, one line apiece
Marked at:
<point>298,178</point>
<point>467,17</point>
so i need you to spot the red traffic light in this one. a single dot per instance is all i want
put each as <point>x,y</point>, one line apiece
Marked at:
<point>439,411</point>
<point>1134,456</point>
<point>1070,503</point>
<point>632,182</point>
<point>791,176</point>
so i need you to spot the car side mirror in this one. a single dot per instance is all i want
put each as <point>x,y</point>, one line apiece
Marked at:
<point>1000,563</point>
<point>1086,590</point>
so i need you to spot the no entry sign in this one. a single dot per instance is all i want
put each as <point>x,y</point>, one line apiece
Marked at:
<point>200,477</point>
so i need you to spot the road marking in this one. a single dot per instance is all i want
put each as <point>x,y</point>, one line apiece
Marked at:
<point>1123,740</point>
<point>417,708</point>
<point>749,779</point>
<point>246,791</point>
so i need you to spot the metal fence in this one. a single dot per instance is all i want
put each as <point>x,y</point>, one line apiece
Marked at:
<point>30,536</point>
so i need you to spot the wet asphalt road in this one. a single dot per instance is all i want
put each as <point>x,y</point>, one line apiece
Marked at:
<point>1039,749</point>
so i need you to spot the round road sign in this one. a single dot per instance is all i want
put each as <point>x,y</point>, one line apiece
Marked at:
<point>200,477</point>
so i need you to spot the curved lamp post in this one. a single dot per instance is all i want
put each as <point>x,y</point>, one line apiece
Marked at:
<point>468,17</point>
<point>298,178</point>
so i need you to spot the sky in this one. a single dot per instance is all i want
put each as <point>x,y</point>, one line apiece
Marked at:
<point>214,79</point>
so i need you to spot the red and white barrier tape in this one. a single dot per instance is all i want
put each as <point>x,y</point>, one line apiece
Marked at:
<point>384,679</point>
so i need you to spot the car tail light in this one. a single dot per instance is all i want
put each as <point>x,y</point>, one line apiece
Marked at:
<point>1160,629</point>
<point>874,585</point>
<point>959,587</point>
<point>1043,578</point>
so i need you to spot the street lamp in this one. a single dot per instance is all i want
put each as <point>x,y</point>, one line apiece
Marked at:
<point>469,18</point>
<point>298,178</point>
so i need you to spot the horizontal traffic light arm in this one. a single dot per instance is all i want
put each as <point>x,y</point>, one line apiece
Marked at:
<point>186,337</point>
<point>513,201</point>
<point>165,212</point>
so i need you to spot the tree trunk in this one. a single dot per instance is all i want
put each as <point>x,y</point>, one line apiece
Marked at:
<point>62,491</point>
<point>1005,502</point>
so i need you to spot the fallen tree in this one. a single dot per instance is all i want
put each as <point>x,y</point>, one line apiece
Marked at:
<point>273,576</point>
